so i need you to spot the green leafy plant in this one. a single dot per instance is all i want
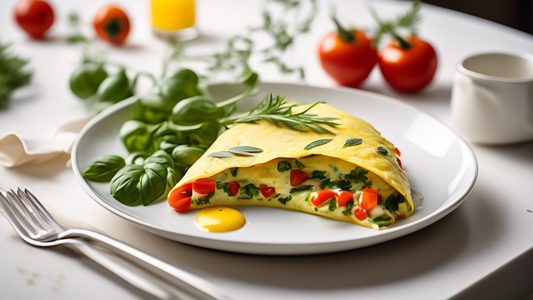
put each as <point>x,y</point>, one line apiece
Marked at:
<point>407,21</point>
<point>104,168</point>
<point>12,74</point>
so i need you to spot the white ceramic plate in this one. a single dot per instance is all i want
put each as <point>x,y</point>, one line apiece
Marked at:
<point>437,161</point>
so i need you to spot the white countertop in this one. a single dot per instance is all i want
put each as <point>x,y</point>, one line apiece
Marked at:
<point>481,250</point>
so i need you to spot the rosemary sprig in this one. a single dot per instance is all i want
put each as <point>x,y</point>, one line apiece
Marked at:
<point>12,74</point>
<point>277,112</point>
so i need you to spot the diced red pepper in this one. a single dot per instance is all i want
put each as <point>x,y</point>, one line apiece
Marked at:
<point>234,188</point>
<point>204,186</point>
<point>369,199</point>
<point>399,163</point>
<point>267,191</point>
<point>360,213</point>
<point>320,197</point>
<point>180,198</point>
<point>297,177</point>
<point>343,197</point>
<point>398,152</point>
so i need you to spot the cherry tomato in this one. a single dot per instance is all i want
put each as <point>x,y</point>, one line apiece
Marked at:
<point>112,24</point>
<point>180,198</point>
<point>348,62</point>
<point>343,197</point>
<point>320,197</point>
<point>204,186</point>
<point>369,199</point>
<point>360,213</point>
<point>234,188</point>
<point>267,191</point>
<point>35,17</point>
<point>297,177</point>
<point>410,69</point>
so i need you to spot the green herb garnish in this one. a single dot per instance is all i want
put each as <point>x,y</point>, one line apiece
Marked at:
<point>220,154</point>
<point>12,74</point>
<point>285,200</point>
<point>204,200</point>
<point>348,210</point>
<point>357,175</point>
<point>234,172</point>
<point>318,175</point>
<point>317,143</point>
<point>352,142</point>
<point>248,191</point>
<point>298,164</point>
<point>244,150</point>
<point>284,166</point>
<point>339,184</point>
<point>104,168</point>
<point>382,151</point>
<point>301,188</point>
<point>391,203</point>
<point>332,204</point>
<point>382,220</point>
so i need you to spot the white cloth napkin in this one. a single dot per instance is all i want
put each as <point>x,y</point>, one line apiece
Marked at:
<point>17,149</point>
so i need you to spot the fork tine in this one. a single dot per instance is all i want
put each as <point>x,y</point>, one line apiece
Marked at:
<point>17,210</point>
<point>35,211</point>
<point>46,215</point>
<point>8,212</point>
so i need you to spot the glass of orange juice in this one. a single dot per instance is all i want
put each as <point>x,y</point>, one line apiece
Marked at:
<point>174,19</point>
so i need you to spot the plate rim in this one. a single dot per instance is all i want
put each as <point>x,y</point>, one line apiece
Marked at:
<point>381,235</point>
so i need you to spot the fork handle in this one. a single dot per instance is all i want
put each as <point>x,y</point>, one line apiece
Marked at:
<point>199,287</point>
<point>153,288</point>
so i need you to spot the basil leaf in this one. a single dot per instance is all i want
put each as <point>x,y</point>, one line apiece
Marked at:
<point>352,142</point>
<point>124,185</point>
<point>153,183</point>
<point>317,143</point>
<point>234,172</point>
<point>357,175</point>
<point>247,149</point>
<point>284,166</point>
<point>285,200</point>
<point>318,175</point>
<point>220,154</point>
<point>104,168</point>
<point>298,164</point>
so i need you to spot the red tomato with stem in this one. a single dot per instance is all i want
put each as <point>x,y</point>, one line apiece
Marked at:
<point>408,67</point>
<point>180,198</point>
<point>112,24</point>
<point>204,186</point>
<point>347,56</point>
<point>35,17</point>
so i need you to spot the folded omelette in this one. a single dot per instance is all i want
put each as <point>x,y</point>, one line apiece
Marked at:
<point>352,175</point>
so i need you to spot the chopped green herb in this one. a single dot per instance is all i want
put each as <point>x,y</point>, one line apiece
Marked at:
<point>298,164</point>
<point>382,220</point>
<point>301,188</point>
<point>358,175</point>
<point>332,204</point>
<point>248,191</point>
<point>352,142</point>
<point>316,209</point>
<point>219,184</point>
<point>334,168</point>
<point>318,175</point>
<point>324,183</point>
<point>382,151</point>
<point>204,200</point>
<point>247,149</point>
<point>391,203</point>
<point>284,166</point>
<point>339,184</point>
<point>220,154</point>
<point>348,210</point>
<point>234,172</point>
<point>367,184</point>
<point>317,143</point>
<point>285,200</point>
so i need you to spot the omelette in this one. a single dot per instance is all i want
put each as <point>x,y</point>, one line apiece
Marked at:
<point>353,174</point>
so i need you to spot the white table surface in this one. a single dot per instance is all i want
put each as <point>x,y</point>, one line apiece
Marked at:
<point>481,250</point>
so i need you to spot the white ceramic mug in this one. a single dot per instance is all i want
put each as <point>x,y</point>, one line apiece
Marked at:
<point>492,98</point>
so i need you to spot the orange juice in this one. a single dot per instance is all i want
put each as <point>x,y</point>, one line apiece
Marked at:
<point>172,14</point>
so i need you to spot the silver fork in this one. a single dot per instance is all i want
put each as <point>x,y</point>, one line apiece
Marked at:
<point>34,224</point>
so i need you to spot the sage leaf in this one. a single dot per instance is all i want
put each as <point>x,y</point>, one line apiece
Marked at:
<point>317,143</point>
<point>248,149</point>
<point>220,154</point>
<point>352,142</point>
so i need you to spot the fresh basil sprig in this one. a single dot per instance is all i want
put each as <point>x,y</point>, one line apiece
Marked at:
<point>103,168</point>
